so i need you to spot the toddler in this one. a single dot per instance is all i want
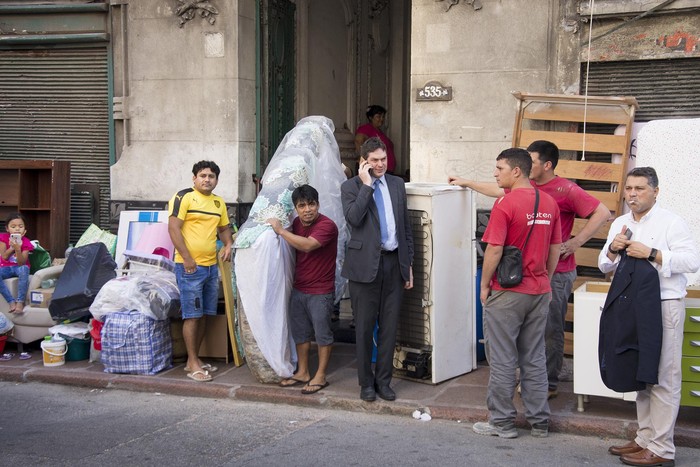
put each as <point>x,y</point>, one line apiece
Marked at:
<point>14,260</point>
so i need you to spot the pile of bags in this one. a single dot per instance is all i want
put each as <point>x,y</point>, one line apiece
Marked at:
<point>136,311</point>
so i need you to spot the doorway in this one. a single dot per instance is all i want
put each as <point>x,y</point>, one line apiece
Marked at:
<point>334,58</point>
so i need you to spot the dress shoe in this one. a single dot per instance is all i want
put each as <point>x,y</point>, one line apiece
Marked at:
<point>646,458</point>
<point>386,393</point>
<point>367,394</point>
<point>628,448</point>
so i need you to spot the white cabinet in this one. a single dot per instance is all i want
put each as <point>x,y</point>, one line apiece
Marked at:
<point>588,306</point>
<point>437,327</point>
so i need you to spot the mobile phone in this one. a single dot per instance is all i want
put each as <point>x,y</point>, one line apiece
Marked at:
<point>363,160</point>
<point>15,237</point>
<point>628,234</point>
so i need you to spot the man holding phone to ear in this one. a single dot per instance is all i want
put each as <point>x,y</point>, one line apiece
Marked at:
<point>378,264</point>
<point>663,238</point>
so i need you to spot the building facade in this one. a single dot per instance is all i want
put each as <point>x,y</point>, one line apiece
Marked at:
<point>134,92</point>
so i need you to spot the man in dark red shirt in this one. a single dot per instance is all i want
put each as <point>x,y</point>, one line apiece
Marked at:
<point>315,239</point>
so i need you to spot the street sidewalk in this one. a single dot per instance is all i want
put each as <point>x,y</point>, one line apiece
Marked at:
<point>461,399</point>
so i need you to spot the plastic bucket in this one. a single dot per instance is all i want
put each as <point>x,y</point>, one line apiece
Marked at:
<point>78,349</point>
<point>54,352</point>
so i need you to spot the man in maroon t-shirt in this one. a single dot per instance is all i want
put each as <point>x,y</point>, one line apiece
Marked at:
<point>315,239</point>
<point>514,318</point>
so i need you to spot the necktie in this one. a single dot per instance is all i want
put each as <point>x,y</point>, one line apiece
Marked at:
<point>379,201</point>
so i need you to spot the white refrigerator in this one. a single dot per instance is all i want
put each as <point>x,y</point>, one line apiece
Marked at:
<point>436,339</point>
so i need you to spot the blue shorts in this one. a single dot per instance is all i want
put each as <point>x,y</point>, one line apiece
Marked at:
<point>199,290</point>
<point>310,317</point>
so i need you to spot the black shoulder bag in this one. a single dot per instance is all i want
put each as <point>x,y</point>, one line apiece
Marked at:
<point>510,268</point>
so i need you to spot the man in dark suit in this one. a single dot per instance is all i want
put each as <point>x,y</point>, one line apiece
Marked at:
<point>378,264</point>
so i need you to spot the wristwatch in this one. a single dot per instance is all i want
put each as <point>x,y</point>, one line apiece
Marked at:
<point>652,255</point>
<point>614,252</point>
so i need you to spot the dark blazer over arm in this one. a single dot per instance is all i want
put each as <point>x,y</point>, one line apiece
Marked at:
<point>631,329</point>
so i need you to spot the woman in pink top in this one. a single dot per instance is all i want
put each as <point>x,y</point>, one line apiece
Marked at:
<point>375,115</point>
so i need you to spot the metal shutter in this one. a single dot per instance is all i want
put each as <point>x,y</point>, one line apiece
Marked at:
<point>54,105</point>
<point>663,88</point>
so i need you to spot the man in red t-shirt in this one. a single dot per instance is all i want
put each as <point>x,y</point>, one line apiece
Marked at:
<point>315,239</point>
<point>514,318</point>
<point>573,202</point>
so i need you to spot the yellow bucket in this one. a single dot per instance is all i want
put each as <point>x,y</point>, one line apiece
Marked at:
<point>54,352</point>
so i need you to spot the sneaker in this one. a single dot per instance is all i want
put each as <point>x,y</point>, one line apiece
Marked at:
<point>540,430</point>
<point>552,393</point>
<point>489,429</point>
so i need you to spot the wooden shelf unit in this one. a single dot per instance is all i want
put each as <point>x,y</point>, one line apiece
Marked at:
<point>40,191</point>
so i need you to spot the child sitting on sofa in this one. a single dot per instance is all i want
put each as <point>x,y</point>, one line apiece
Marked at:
<point>14,260</point>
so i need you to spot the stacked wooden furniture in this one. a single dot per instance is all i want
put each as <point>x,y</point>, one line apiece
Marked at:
<point>40,191</point>
<point>592,155</point>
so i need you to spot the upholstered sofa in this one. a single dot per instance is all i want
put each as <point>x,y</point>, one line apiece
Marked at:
<point>34,323</point>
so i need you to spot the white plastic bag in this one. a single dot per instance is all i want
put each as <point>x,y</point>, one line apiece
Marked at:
<point>155,295</point>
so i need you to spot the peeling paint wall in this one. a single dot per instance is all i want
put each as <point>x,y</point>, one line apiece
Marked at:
<point>666,36</point>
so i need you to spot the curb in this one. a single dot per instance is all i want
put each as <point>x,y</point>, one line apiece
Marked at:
<point>579,425</point>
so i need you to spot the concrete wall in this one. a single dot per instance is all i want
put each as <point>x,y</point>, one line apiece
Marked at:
<point>191,97</point>
<point>483,55</point>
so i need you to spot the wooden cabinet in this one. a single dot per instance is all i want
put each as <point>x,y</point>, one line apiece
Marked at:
<point>589,300</point>
<point>40,191</point>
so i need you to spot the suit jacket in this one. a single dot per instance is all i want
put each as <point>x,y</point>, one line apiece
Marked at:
<point>363,249</point>
<point>631,329</point>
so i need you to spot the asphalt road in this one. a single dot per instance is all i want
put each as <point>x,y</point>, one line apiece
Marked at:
<point>54,425</point>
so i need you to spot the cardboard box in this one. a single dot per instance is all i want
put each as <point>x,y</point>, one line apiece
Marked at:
<point>41,297</point>
<point>216,340</point>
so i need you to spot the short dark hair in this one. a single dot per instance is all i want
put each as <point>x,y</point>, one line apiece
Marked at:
<point>373,110</point>
<point>647,172</point>
<point>371,145</point>
<point>547,151</point>
<point>517,157</point>
<point>304,193</point>
<point>201,165</point>
<point>15,215</point>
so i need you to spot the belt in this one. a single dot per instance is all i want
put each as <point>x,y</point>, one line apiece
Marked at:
<point>387,252</point>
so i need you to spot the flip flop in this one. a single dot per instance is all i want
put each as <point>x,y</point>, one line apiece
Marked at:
<point>207,367</point>
<point>6,357</point>
<point>316,388</point>
<point>205,376</point>
<point>294,382</point>
<point>25,356</point>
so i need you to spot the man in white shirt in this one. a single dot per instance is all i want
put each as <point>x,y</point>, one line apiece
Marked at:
<point>665,240</point>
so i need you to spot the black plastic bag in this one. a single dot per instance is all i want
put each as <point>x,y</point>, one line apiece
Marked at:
<point>87,269</point>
